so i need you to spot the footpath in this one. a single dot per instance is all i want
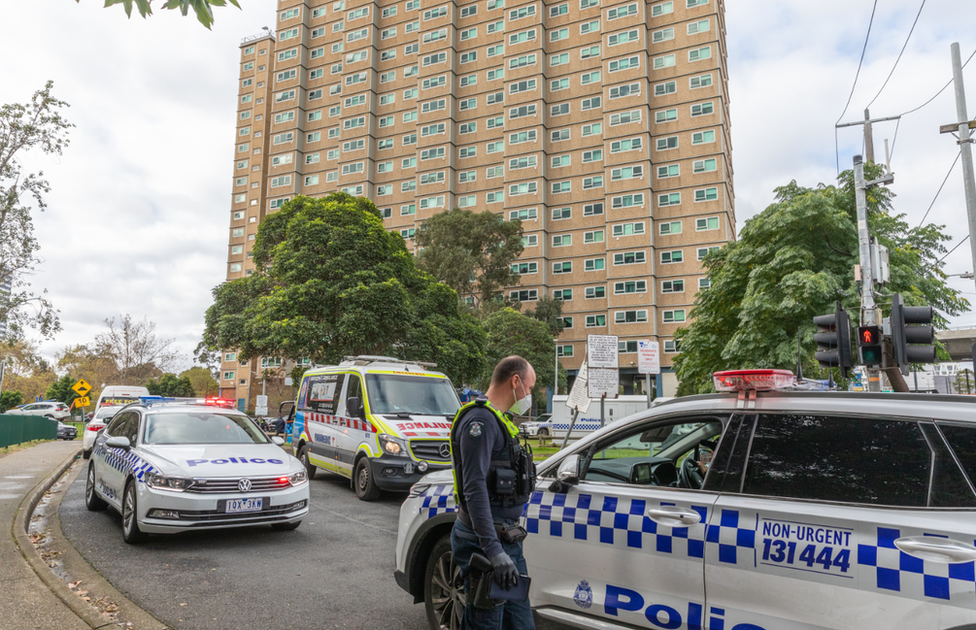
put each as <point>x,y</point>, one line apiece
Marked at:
<point>34,598</point>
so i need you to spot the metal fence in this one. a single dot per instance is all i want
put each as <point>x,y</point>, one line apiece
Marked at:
<point>17,429</point>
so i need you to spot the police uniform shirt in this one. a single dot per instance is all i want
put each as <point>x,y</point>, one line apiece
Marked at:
<point>481,439</point>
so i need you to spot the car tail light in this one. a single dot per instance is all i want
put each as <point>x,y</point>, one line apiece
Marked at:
<point>95,428</point>
<point>759,380</point>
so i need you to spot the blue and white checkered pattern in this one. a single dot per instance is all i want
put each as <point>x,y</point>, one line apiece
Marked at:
<point>613,521</point>
<point>897,571</point>
<point>730,538</point>
<point>125,461</point>
<point>438,500</point>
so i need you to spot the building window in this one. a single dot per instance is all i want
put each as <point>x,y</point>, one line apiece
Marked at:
<point>700,54</point>
<point>228,376</point>
<point>524,295</point>
<point>563,295</point>
<point>630,286</point>
<point>564,350</point>
<point>675,256</point>
<point>628,229</point>
<point>669,227</point>
<point>709,223</point>
<point>704,166</point>
<point>595,321</point>
<point>702,109</point>
<point>594,264</point>
<point>671,317</point>
<point>629,258</point>
<point>562,267</point>
<point>673,286</point>
<point>630,317</point>
<point>595,293</point>
<point>706,194</point>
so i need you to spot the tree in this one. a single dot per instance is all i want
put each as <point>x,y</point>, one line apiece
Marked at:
<point>964,382</point>
<point>792,262</point>
<point>510,332</point>
<point>471,253</point>
<point>84,362</point>
<point>330,282</point>
<point>23,128</point>
<point>549,311</point>
<point>137,353</point>
<point>60,390</point>
<point>202,381</point>
<point>26,370</point>
<point>9,399</point>
<point>170,385</point>
<point>202,8</point>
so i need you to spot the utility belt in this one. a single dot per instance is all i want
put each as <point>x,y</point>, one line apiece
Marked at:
<point>507,533</point>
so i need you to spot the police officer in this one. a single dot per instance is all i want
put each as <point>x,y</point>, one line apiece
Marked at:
<point>493,479</point>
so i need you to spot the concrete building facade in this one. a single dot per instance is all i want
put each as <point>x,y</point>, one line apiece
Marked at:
<point>603,125</point>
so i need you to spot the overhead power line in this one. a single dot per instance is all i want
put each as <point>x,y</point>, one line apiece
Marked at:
<point>952,250</point>
<point>958,155</point>
<point>907,39</point>
<point>860,62</point>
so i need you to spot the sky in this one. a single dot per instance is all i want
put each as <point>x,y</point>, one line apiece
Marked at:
<point>140,200</point>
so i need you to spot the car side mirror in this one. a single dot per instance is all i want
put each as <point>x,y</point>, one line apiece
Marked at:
<point>567,475</point>
<point>277,441</point>
<point>118,442</point>
<point>354,407</point>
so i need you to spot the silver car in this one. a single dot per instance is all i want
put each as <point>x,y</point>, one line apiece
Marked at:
<point>50,409</point>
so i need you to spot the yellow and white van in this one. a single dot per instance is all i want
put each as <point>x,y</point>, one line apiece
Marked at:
<point>379,421</point>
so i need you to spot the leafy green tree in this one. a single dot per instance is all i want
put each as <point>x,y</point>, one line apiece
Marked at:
<point>469,252</point>
<point>202,8</point>
<point>202,381</point>
<point>10,399</point>
<point>792,262</point>
<point>331,282</point>
<point>549,311</point>
<point>34,126</point>
<point>60,390</point>
<point>170,385</point>
<point>511,332</point>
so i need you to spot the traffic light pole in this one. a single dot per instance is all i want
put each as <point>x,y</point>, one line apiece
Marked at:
<point>867,273</point>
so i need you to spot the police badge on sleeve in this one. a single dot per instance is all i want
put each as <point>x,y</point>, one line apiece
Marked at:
<point>475,429</point>
<point>583,595</point>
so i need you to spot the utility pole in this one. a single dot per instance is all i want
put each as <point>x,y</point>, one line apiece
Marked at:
<point>965,146</point>
<point>868,137</point>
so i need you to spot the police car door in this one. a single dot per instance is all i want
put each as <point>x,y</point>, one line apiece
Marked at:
<point>626,543</point>
<point>110,470</point>
<point>320,418</point>
<point>840,521</point>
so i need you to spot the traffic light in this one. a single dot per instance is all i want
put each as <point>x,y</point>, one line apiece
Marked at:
<point>870,345</point>
<point>912,334</point>
<point>834,340</point>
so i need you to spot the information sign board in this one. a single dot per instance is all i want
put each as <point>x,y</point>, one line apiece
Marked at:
<point>603,382</point>
<point>579,398</point>
<point>601,351</point>
<point>648,357</point>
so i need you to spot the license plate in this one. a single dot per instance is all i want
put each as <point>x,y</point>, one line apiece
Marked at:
<point>243,505</point>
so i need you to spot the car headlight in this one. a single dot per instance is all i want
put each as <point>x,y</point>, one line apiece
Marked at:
<point>393,446</point>
<point>297,479</point>
<point>157,481</point>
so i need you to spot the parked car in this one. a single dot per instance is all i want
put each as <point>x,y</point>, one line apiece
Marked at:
<point>101,417</point>
<point>51,409</point>
<point>66,431</point>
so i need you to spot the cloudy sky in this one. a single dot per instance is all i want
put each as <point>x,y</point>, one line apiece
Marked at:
<point>139,205</point>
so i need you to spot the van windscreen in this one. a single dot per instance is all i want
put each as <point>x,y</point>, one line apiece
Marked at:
<point>420,395</point>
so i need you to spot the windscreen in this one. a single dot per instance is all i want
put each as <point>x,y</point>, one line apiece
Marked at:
<point>393,393</point>
<point>201,428</point>
<point>106,412</point>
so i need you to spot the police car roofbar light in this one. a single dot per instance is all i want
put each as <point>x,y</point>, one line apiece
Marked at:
<point>149,401</point>
<point>757,380</point>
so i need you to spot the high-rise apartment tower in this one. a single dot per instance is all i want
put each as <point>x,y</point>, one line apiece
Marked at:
<point>602,124</point>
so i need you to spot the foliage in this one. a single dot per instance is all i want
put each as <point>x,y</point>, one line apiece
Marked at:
<point>964,383</point>
<point>60,390</point>
<point>510,332</point>
<point>549,311</point>
<point>331,282</point>
<point>134,349</point>
<point>9,399</point>
<point>36,125</point>
<point>792,262</point>
<point>202,8</point>
<point>202,381</point>
<point>26,371</point>
<point>84,362</point>
<point>471,253</point>
<point>170,385</point>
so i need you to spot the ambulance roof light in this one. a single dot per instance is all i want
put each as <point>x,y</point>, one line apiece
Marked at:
<point>757,380</point>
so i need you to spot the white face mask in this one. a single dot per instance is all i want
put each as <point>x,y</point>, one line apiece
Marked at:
<point>521,404</point>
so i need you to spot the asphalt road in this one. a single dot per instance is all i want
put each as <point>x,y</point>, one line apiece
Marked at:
<point>335,571</point>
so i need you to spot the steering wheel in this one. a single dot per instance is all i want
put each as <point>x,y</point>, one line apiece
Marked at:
<point>689,476</point>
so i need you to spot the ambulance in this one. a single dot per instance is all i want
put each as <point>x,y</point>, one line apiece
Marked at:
<point>379,421</point>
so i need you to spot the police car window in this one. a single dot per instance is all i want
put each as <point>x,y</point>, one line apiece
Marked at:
<point>131,427</point>
<point>201,428</point>
<point>652,455</point>
<point>846,459</point>
<point>116,423</point>
<point>962,440</point>
<point>394,394</point>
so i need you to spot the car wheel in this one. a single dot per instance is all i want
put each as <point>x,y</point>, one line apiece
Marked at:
<point>93,502</point>
<point>443,599</point>
<point>131,533</point>
<point>543,432</point>
<point>363,482</point>
<point>86,454</point>
<point>310,468</point>
<point>285,527</point>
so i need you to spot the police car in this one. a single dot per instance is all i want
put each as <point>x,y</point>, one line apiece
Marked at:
<point>379,421</point>
<point>171,465</point>
<point>816,510</point>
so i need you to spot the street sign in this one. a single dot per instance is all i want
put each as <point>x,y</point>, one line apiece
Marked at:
<point>261,406</point>
<point>601,351</point>
<point>578,397</point>
<point>648,357</point>
<point>82,401</point>
<point>602,382</point>
<point>81,387</point>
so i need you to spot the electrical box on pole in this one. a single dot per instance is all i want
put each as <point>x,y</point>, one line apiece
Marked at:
<point>912,334</point>
<point>833,339</point>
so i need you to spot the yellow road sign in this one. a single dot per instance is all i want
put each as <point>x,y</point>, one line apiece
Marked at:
<point>81,387</point>
<point>82,401</point>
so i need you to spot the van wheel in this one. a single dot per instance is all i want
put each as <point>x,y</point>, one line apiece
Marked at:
<point>93,502</point>
<point>131,533</point>
<point>310,468</point>
<point>363,482</point>
<point>443,599</point>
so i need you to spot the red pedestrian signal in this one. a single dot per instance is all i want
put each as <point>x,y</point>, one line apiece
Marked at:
<point>867,335</point>
<point>869,345</point>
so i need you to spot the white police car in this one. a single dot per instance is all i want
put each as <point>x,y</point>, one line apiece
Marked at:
<point>170,465</point>
<point>818,510</point>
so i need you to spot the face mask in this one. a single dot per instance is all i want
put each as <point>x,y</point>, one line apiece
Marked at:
<point>521,404</point>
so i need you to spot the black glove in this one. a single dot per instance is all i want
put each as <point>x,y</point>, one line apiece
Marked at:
<point>506,573</point>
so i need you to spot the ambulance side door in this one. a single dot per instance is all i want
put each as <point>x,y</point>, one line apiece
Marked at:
<point>348,429</point>
<point>840,521</point>
<point>321,402</point>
